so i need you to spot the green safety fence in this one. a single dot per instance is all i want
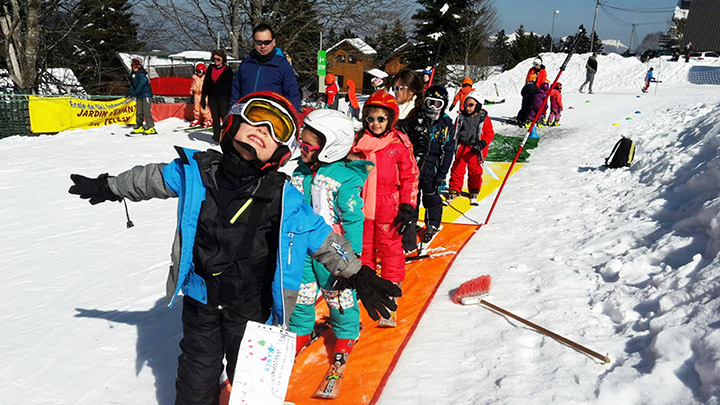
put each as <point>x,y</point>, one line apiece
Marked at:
<point>14,116</point>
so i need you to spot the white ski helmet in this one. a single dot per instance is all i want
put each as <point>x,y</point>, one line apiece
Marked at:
<point>337,128</point>
<point>475,95</point>
<point>537,62</point>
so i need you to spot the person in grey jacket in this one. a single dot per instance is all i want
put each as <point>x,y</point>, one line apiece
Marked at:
<point>242,236</point>
<point>590,69</point>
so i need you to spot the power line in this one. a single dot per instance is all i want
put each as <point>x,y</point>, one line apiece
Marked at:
<point>617,19</point>
<point>638,10</point>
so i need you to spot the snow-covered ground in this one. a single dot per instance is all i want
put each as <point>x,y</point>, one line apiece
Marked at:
<point>622,261</point>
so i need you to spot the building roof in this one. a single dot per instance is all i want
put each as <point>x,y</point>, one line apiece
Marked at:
<point>356,43</point>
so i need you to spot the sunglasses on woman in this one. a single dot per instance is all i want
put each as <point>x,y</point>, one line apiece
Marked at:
<point>307,148</point>
<point>217,59</point>
<point>380,120</point>
<point>470,104</point>
<point>265,42</point>
<point>398,88</point>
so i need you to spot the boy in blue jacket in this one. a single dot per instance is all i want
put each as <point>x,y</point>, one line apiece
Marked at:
<point>242,236</point>
<point>141,91</point>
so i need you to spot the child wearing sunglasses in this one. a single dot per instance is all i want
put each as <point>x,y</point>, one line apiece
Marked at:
<point>474,132</point>
<point>332,185</point>
<point>390,192</point>
<point>242,233</point>
<point>201,115</point>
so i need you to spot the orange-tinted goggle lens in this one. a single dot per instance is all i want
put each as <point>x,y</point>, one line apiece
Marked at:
<point>281,124</point>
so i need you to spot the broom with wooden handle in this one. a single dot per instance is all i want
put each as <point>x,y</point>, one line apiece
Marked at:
<point>469,293</point>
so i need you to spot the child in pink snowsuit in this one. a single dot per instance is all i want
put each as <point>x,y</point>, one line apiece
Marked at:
<point>391,190</point>
<point>556,105</point>
<point>196,92</point>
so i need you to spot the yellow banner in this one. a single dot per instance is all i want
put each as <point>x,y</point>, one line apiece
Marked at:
<point>55,114</point>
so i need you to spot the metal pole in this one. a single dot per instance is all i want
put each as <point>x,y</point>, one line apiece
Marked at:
<point>552,30</point>
<point>592,35</point>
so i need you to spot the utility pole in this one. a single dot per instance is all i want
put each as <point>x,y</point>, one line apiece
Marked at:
<point>592,35</point>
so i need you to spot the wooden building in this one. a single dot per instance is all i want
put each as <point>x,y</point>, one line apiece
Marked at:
<point>350,59</point>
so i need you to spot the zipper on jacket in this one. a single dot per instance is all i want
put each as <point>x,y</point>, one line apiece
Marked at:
<point>282,290</point>
<point>257,78</point>
<point>290,251</point>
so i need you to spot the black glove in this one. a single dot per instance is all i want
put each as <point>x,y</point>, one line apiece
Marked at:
<point>477,148</point>
<point>405,216</point>
<point>374,292</point>
<point>203,104</point>
<point>97,190</point>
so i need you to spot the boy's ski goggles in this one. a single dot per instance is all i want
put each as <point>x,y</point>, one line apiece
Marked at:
<point>273,115</point>
<point>434,103</point>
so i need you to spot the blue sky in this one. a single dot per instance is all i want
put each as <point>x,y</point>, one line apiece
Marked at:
<point>537,16</point>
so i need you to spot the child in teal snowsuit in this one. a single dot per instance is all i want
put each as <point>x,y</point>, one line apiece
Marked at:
<point>332,186</point>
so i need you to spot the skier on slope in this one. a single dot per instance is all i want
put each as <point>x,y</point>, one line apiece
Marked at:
<point>648,79</point>
<point>239,223</point>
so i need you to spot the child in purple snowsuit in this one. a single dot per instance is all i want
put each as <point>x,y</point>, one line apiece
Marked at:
<point>537,103</point>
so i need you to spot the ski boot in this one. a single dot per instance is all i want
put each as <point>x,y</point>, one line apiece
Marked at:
<point>207,124</point>
<point>195,123</point>
<point>301,341</point>
<point>430,232</point>
<point>344,345</point>
<point>150,131</point>
<point>138,130</point>
<point>473,199</point>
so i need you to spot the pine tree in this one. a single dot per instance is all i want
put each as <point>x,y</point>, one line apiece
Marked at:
<point>429,22</point>
<point>583,45</point>
<point>523,46</point>
<point>387,39</point>
<point>104,28</point>
<point>501,48</point>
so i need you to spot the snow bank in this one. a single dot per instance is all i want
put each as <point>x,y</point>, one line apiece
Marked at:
<point>615,74</point>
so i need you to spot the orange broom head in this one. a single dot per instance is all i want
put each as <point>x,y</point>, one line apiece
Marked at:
<point>470,291</point>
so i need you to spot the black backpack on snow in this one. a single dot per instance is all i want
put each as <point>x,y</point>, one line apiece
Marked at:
<point>622,154</point>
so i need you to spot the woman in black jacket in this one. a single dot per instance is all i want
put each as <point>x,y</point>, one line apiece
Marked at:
<point>216,87</point>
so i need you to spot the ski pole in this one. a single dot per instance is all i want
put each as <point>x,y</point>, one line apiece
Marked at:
<point>537,116</point>
<point>497,93</point>
<point>549,333</point>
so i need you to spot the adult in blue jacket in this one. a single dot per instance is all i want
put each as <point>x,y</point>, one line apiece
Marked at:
<point>241,239</point>
<point>265,69</point>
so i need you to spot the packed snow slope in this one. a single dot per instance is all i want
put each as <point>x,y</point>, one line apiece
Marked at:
<point>622,261</point>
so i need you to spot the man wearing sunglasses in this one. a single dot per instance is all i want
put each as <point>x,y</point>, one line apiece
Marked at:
<point>265,69</point>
